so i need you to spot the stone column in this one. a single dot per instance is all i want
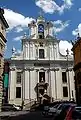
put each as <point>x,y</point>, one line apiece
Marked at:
<point>29,85</point>
<point>70,83</point>
<point>53,84</point>
<point>53,52</point>
<point>22,89</point>
<point>36,75</point>
<point>26,52</point>
<point>46,76</point>
<point>37,82</point>
<point>26,84</point>
<point>58,84</point>
<point>33,84</point>
<point>50,83</point>
<point>12,85</point>
<point>29,50</point>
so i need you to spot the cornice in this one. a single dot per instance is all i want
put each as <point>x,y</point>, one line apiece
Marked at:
<point>12,69</point>
<point>3,38</point>
<point>2,18</point>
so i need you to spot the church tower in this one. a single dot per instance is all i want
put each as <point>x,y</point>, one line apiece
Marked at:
<point>41,29</point>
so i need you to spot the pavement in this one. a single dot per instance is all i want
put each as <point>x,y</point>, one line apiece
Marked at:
<point>12,113</point>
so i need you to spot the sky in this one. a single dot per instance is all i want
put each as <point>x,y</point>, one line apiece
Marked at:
<point>65,15</point>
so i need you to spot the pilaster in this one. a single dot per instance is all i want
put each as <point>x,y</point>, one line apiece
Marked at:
<point>12,80</point>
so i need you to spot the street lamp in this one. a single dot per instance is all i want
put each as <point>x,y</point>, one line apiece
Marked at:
<point>67,51</point>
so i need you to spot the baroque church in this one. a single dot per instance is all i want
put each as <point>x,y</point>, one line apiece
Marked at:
<point>40,72</point>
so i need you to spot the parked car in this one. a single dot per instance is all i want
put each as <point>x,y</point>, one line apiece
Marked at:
<point>45,110</point>
<point>52,110</point>
<point>62,111</point>
<point>78,108</point>
<point>17,107</point>
<point>73,114</point>
<point>8,107</point>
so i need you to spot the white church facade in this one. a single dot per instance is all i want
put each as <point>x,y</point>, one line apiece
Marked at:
<point>40,71</point>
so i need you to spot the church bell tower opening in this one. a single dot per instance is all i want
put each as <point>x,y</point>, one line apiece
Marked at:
<point>41,31</point>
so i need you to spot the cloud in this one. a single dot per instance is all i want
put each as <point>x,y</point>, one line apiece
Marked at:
<point>77,30</point>
<point>50,6</point>
<point>19,23</point>
<point>18,29</point>
<point>16,20</point>
<point>79,9</point>
<point>60,25</point>
<point>64,45</point>
<point>18,38</point>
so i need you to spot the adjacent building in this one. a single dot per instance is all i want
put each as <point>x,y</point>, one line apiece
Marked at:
<point>3,26</point>
<point>5,81</point>
<point>77,68</point>
<point>40,72</point>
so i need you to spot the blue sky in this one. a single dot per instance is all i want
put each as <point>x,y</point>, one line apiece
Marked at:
<point>65,14</point>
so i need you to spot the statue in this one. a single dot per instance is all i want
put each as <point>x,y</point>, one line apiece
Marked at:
<point>42,80</point>
<point>45,91</point>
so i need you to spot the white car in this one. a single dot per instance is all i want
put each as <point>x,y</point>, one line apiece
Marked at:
<point>17,107</point>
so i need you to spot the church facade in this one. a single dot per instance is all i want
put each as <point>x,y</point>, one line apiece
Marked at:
<point>40,72</point>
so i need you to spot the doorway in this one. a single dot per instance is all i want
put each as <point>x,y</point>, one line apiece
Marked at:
<point>41,76</point>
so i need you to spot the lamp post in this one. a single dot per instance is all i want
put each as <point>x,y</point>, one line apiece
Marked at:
<point>67,51</point>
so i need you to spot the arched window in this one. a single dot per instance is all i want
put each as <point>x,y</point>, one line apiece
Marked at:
<point>41,31</point>
<point>40,28</point>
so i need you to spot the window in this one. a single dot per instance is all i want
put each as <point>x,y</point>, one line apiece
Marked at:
<point>41,44</point>
<point>18,77</point>
<point>41,53</point>
<point>64,78</point>
<point>41,37</point>
<point>41,31</point>
<point>40,28</point>
<point>18,92</point>
<point>65,92</point>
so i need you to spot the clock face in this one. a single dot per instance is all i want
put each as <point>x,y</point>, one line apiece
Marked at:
<point>41,28</point>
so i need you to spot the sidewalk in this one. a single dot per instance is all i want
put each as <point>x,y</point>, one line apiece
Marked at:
<point>16,113</point>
